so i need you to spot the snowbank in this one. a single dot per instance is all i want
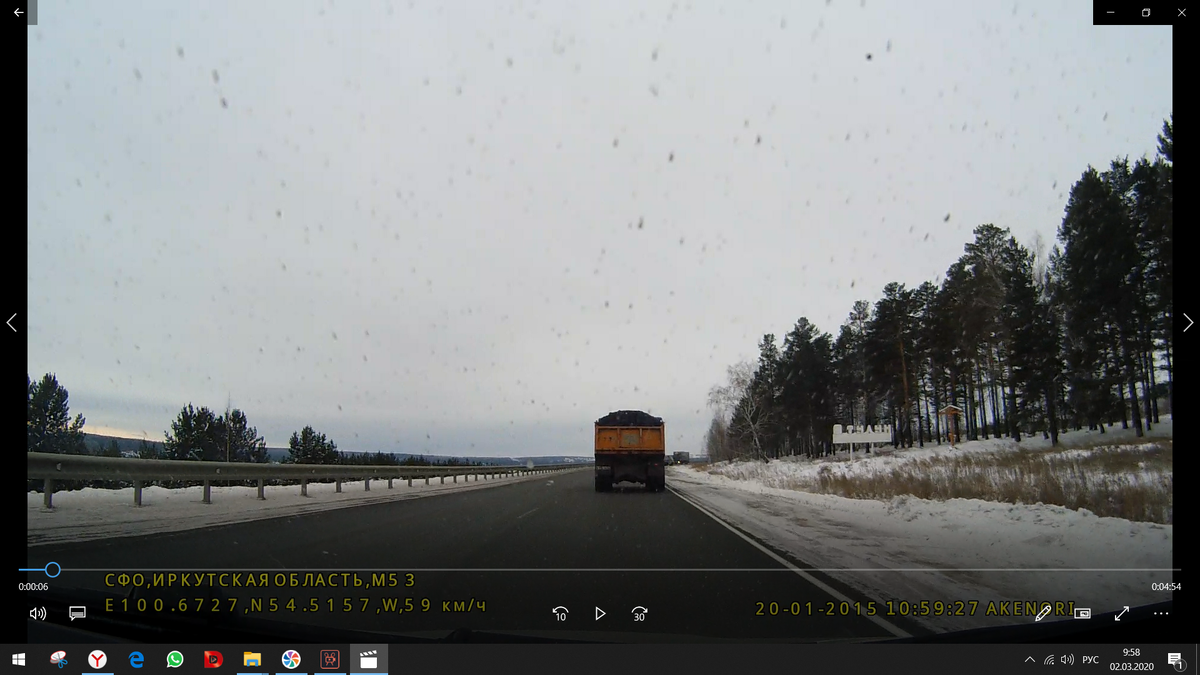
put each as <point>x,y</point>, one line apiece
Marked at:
<point>911,549</point>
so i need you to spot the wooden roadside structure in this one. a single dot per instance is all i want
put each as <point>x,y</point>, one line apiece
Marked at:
<point>951,413</point>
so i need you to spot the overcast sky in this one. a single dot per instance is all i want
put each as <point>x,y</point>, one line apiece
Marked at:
<point>476,227</point>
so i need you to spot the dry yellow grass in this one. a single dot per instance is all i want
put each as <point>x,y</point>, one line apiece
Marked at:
<point>1132,480</point>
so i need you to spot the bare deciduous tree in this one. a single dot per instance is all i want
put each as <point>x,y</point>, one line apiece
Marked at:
<point>744,405</point>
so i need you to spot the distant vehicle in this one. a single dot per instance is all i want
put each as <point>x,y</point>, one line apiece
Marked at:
<point>669,460</point>
<point>682,458</point>
<point>630,446</point>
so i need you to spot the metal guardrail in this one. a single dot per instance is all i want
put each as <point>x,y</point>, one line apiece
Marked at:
<point>51,467</point>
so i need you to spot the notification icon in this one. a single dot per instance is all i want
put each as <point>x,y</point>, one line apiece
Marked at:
<point>212,659</point>
<point>330,659</point>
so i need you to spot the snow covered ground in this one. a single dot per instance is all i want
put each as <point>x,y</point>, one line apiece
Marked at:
<point>908,548</point>
<point>83,515</point>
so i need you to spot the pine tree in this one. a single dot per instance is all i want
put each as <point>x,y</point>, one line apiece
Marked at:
<point>147,451</point>
<point>243,442</point>
<point>309,447</point>
<point>48,425</point>
<point>807,389</point>
<point>196,434</point>
<point>889,347</point>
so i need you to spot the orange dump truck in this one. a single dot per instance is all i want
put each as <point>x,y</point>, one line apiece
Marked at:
<point>630,446</point>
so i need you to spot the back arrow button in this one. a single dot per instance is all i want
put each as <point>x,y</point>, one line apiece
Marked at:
<point>599,613</point>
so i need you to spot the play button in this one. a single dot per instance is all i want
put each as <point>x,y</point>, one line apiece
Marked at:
<point>599,613</point>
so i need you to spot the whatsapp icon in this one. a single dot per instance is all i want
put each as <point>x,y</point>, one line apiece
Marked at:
<point>174,659</point>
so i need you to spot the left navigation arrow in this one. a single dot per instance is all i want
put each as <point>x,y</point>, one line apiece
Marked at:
<point>9,322</point>
<point>18,11</point>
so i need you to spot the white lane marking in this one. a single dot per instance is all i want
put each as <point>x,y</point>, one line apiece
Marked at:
<point>886,625</point>
<point>528,512</point>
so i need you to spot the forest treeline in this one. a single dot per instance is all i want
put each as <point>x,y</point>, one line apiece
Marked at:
<point>1021,340</point>
<point>197,434</point>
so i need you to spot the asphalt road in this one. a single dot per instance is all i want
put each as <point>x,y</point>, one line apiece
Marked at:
<point>521,549</point>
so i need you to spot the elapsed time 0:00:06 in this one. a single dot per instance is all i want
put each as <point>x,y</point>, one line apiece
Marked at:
<point>923,608</point>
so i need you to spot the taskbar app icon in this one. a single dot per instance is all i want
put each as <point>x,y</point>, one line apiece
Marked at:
<point>213,659</point>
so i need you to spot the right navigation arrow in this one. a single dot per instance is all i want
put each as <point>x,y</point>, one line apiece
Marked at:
<point>1184,328</point>
<point>599,613</point>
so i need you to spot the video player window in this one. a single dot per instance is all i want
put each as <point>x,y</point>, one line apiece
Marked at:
<point>367,323</point>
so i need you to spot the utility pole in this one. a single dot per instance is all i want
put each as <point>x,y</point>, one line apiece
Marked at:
<point>904,426</point>
<point>228,404</point>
